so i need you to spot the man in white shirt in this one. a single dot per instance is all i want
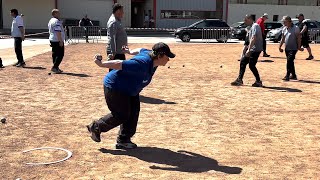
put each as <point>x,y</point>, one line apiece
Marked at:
<point>17,32</point>
<point>56,37</point>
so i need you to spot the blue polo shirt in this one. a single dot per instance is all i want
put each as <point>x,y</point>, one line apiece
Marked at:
<point>136,74</point>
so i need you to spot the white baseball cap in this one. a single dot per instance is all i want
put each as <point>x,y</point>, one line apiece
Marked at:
<point>266,15</point>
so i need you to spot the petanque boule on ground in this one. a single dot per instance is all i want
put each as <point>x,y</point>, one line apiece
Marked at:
<point>3,120</point>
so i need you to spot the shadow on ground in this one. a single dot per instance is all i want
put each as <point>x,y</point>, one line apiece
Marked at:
<point>37,67</point>
<point>310,82</point>
<point>150,100</point>
<point>183,161</point>
<point>267,61</point>
<point>283,89</point>
<point>75,74</point>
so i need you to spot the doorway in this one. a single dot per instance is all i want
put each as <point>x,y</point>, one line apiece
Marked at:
<point>137,14</point>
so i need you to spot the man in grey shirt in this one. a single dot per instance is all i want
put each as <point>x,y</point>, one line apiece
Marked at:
<point>292,38</point>
<point>251,56</point>
<point>117,36</point>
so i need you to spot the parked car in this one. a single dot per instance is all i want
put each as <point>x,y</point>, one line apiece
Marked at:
<point>276,34</point>
<point>196,30</point>
<point>239,30</point>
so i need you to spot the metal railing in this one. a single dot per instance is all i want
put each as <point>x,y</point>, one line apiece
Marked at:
<point>76,34</point>
<point>314,35</point>
<point>219,34</point>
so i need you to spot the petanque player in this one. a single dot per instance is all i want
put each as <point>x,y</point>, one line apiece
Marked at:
<point>121,90</point>
<point>18,33</point>
<point>117,35</point>
<point>85,23</point>
<point>251,56</point>
<point>292,38</point>
<point>305,35</point>
<point>56,37</point>
<point>261,22</point>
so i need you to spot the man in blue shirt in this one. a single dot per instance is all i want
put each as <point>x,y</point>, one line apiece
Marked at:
<point>122,87</point>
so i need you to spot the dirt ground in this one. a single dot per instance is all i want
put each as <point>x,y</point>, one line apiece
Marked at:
<point>193,124</point>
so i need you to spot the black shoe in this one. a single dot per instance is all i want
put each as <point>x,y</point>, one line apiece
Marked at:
<point>23,64</point>
<point>126,145</point>
<point>257,84</point>
<point>95,132</point>
<point>310,58</point>
<point>60,71</point>
<point>266,55</point>
<point>286,78</point>
<point>293,77</point>
<point>55,70</point>
<point>237,82</point>
<point>1,65</point>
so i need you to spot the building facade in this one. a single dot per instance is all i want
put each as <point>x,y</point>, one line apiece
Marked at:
<point>166,13</point>
<point>275,8</point>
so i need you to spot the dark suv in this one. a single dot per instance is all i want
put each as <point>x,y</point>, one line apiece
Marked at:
<point>198,29</point>
<point>239,29</point>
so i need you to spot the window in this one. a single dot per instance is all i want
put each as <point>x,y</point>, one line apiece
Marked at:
<point>201,25</point>
<point>311,25</point>
<point>179,14</point>
<point>282,2</point>
<point>242,2</point>
<point>275,18</point>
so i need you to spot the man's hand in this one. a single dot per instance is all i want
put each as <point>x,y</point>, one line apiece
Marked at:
<point>23,37</point>
<point>111,57</point>
<point>126,49</point>
<point>61,43</point>
<point>280,50</point>
<point>98,57</point>
<point>248,53</point>
<point>301,49</point>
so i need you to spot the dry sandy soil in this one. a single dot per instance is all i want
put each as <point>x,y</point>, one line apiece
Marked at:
<point>193,124</point>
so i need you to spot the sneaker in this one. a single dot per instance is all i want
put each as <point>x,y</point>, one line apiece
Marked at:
<point>55,70</point>
<point>266,55</point>
<point>286,78</point>
<point>310,58</point>
<point>126,145</point>
<point>95,132</point>
<point>23,64</point>
<point>257,84</point>
<point>293,77</point>
<point>237,82</point>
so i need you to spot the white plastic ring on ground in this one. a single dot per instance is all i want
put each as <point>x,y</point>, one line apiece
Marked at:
<point>47,163</point>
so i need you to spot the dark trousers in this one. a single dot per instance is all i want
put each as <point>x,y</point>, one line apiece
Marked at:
<point>119,56</point>
<point>86,33</point>
<point>252,61</point>
<point>18,49</point>
<point>291,56</point>
<point>264,37</point>
<point>124,112</point>
<point>57,54</point>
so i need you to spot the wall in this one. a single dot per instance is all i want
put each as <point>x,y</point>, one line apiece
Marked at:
<point>198,5</point>
<point>96,9</point>
<point>238,11</point>
<point>37,12</point>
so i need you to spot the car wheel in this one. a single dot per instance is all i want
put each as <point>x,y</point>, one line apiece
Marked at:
<point>185,37</point>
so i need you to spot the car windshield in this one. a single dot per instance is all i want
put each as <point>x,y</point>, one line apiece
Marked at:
<point>237,24</point>
<point>196,23</point>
